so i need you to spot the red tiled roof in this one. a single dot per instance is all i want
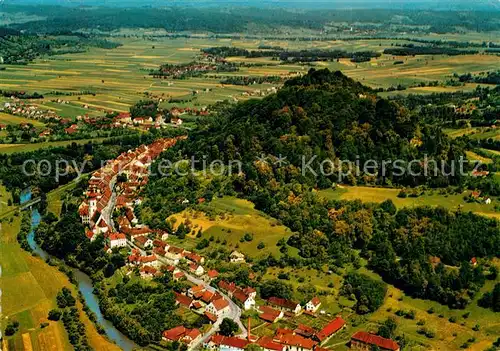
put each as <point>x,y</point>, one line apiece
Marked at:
<point>282,302</point>
<point>297,341</point>
<point>213,273</point>
<point>230,341</point>
<point>117,236</point>
<point>373,339</point>
<point>315,301</point>
<point>183,299</point>
<point>331,328</point>
<point>145,259</point>
<point>220,304</point>
<point>212,317</point>
<point>268,343</point>
<point>175,334</point>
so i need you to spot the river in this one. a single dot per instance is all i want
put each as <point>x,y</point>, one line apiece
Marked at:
<point>84,284</point>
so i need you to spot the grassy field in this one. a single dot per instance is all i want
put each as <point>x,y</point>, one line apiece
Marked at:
<point>8,119</point>
<point>475,133</point>
<point>13,148</point>
<point>236,218</point>
<point>369,194</point>
<point>119,77</point>
<point>29,287</point>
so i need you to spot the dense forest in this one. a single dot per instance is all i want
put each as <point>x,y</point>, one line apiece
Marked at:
<point>424,251</point>
<point>237,19</point>
<point>24,48</point>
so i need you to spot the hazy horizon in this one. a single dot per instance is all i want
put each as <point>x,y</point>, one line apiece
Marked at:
<point>292,4</point>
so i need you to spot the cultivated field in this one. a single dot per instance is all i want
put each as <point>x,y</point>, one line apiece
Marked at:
<point>29,287</point>
<point>119,77</point>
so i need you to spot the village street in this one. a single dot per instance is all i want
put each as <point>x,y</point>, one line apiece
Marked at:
<point>234,310</point>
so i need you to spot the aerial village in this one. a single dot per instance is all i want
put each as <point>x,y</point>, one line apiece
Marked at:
<point>59,128</point>
<point>117,186</point>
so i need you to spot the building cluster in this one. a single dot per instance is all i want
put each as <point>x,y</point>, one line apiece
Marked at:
<point>303,338</point>
<point>126,174</point>
<point>20,108</point>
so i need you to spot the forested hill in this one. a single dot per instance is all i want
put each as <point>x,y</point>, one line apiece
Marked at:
<point>327,115</point>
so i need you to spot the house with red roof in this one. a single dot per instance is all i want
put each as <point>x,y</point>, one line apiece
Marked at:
<point>313,305</point>
<point>330,329</point>
<point>150,260</point>
<point>148,272</point>
<point>143,242</point>
<point>269,314</point>
<point>212,274</point>
<point>196,269</point>
<point>218,307</point>
<point>295,342</point>
<point>285,305</point>
<point>267,344</point>
<point>182,334</point>
<point>117,240</point>
<point>183,300</point>
<point>226,343</point>
<point>366,341</point>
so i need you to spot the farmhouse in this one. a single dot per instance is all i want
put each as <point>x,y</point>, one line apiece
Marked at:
<point>148,272</point>
<point>330,329</point>
<point>365,341</point>
<point>285,305</point>
<point>226,343</point>
<point>313,305</point>
<point>269,314</point>
<point>218,307</point>
<point>182,334</point>
<point>117,240</point>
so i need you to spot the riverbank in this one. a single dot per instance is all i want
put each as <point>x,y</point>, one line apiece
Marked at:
<point>29,287</point>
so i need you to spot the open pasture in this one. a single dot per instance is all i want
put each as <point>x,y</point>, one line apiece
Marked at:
<point>372,194</point>
<point>235,218</point>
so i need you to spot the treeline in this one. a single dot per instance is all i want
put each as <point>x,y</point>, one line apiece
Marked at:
<point>482,78</point>
<point>20,94</point>
<point>295,56</point>
<point>412,50</point>
<point>249,80</point>
<point>24,48</point>
<point>236,20</point>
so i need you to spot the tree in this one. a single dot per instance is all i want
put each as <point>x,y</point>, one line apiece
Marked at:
<point>54,315</point>
<point>253,347</point>
<point>388,328</point>
<point>228,327</point>
<point>64,298</point>
<point>11,328</point>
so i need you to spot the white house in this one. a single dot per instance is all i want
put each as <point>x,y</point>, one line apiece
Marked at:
<point>236,257</point>
<point>196,269</point>
<point>117,240</point>
<point>313,305</point>
<point>218,307</point>
<point>246,297</point>
<point>150,261</point>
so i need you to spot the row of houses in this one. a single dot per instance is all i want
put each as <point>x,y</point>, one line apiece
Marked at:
<point>287,340</point>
